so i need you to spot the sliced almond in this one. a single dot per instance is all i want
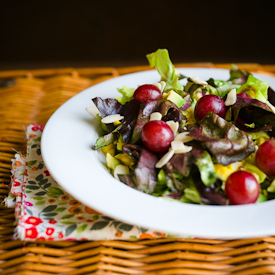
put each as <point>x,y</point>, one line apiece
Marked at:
<point>186,149</point>
<point>92,110</point>
<point>196,80</point>
<point>173,125</point>
<point>231,97</point>
<point>165,159</point>
<point>270,106</point>
<point>178,147</point>
<point>163,84</point>
<point>112,118</point>
<point>160,85</point>
<point>121,170</point>
<point>155,116</point>
<point>184,137</point>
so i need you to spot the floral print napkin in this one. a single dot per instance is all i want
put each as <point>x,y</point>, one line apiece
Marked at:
<point>44,211</point>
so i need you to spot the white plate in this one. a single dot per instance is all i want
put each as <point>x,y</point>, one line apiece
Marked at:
<point>67,151</point>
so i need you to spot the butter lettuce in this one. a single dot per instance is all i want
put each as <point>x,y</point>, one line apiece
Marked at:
<point>127,94</point>
<point>258,135</point>
<point>191,194</point>
<point>259,175</point>
<point>207,169</point>
<point>271,187</point>
<point>222,87</point>
<point>161,185</point>
<point>105,140</point>
<point>256,88</point>
<point>161,61</point>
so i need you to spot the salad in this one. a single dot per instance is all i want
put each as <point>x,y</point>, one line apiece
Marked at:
<point>205,142</point>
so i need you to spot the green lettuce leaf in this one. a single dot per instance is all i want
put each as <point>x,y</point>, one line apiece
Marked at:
<point>161,185</point>
<point>262,197</point>
<point>256,88</point>
<point>191,194</point>
<point>222,87</point>
<point>260,176</point>
<point>271,187</point>
<point>127,94</point>
<point>105,140</point>
<point>258,135</point>
<point>207,169</point>
<point>161,61</point>
<point>214,87</point>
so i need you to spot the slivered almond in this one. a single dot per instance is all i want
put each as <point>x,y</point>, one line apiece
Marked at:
<point>270,106</point>
<point>165,159</point>
<point>155,116</point>
<point>178,147</point>
<point>183,137</point>
<point>196,80</point>
<point>173,125</point>
<point>160,85</point>
<point>231,97</point>
<point>112,118</point>
<point>92,110</point>
<point>121,170</point>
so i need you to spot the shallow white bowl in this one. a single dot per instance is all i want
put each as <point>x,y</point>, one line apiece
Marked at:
<point>67,143</point>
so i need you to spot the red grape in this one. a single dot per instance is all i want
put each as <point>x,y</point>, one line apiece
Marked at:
<point>147,92</point>
<point>157,136</point>
<point>209,103</point>
<point>265,158</point>
<point>243,95</point>
<point>242,187</point>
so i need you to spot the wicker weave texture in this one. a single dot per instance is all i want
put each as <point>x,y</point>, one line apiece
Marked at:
<point>31,97</point>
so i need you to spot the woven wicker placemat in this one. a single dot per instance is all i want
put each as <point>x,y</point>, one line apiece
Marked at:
<point>31,97</point>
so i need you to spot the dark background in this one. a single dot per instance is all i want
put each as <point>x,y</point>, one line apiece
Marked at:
<point>37,34</point>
